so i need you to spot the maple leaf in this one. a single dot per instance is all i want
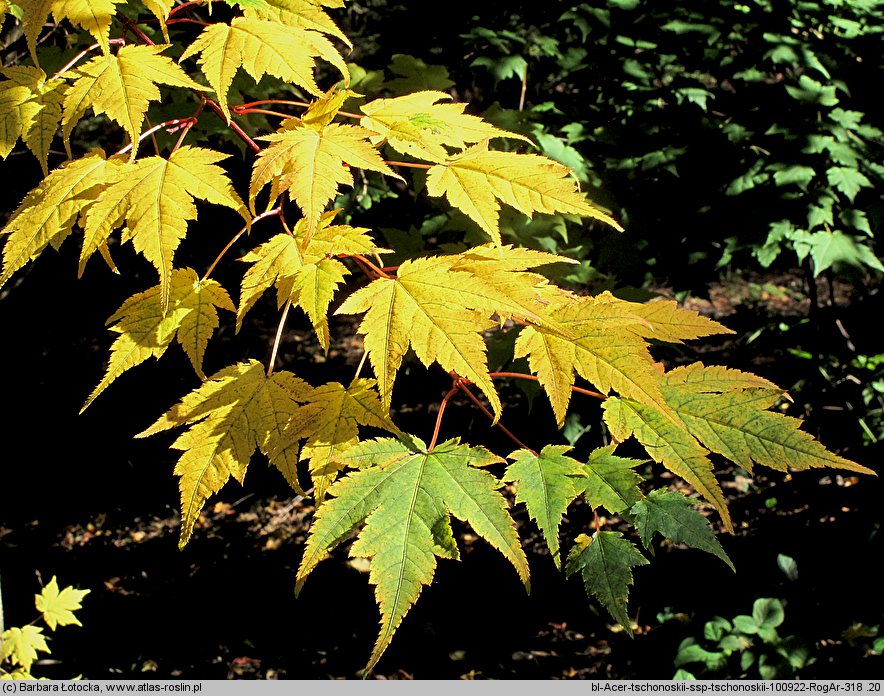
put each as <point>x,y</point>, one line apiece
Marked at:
<point>417,125</point>
<point>261,47</point>
<point>160,9</point>
<point>726,410</point>
<point>49,212</point>
<point>605,561</point>
<point>301,14</point>
<point>668,443</point>
<point>548,483</point>
<point>307,277</point>
<point>476,179</point>
<point>122,86</point>
<point>662,320</point>
<point>145,331</point>
<point>238,410</point>
<point>405,496</point>
<point>611,481</point>
<point>311,161</point>
<point>58,607</point>
<point>20,645</point>
<point>30,109</point>
<point>671,514</point>
<point>154,197</point>
<point>92,15</point>
<point>593,338</point>
<point>332,416</point>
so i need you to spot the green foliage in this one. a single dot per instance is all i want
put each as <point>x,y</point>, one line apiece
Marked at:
<point>456,288</point>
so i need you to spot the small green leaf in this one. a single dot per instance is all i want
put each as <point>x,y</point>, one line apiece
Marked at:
<point>672,514</point>
<point>788,565</point>
<point>611,482</point>
<point>605,561</point>
<point>848,180</point>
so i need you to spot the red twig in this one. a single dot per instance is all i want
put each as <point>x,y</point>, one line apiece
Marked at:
<point>374,269</point>
<point>184,6</point>
<point>82,54</point>
<point>461,383</point>
<point>239,107</point>
<point>451,392</point>
<point>171,126</point>
<point>213,105</point>
<point>520,375</point>
<point>267,112</point>
<point>187,126</point>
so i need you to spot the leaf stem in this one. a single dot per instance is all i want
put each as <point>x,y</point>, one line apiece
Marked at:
<point>171,126</point>
<point>461,384</point>
<point>184,6</point>
<point>267,112</point>
<point>520,375</point>
<point>257,218</point>
<point>285,313</point>
<point>451,392</point>
<point>287,102</point>
<point>82,54</point>
<point>369,265</point>
<point>213,105</point>
<point>413,165</point>
<point>187,126</point>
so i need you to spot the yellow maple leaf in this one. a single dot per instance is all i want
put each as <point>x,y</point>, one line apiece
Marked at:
<point>238,410</point>
<point>261,47</point>
<point>20,645</point>
<point>311,162</point>
<point>417,125</point>
<point>154,197</point>
<point>30,109</point>
<point>330,424</point>
<point>583,335</point>
<point>301,14</point>
<point>308,277</point>
<point>160,9</point>
<point>476,179</point>
<point>49,212</point>
<point>58,606</point>
<point>122,86</point>
<point>144,331</point>
<point>92,15</point>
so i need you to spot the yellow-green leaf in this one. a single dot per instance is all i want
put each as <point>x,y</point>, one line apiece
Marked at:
<point>49,212</point>
<point>154,197</point>
<point>160,9</point>
<point>58,606</point>
<point>333,429</point>
<point>597,341</point>
<point>667,443</point>
<point>30,109</point>
<point>730,417</point>
<point>311,162</point>
<point>238,410</point>
<point>405,497</point>
<point>20,645</point>
<point>261,47</point>
<point>94,16</point>
<point>122,86</point>
<point>476,179</point>
<point>300,14</point>
<point>611,482</point>
<point>418,125</point>
<point>145,331</point>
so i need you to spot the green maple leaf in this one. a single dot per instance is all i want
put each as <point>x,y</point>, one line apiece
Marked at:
<point>30,109</point>
<point>405,496</point>
<point>145,331</point>
<point>672,514</point>
<point>58,607</point>
<point>154,197</point>
<point>611,481</point>
<point>261,47</point>
<point>122,86</point>
<point>548,483</point>
<point>49,213</point>
<point>238,410</point>
<point>605,561</point>
<point>20,645</point>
